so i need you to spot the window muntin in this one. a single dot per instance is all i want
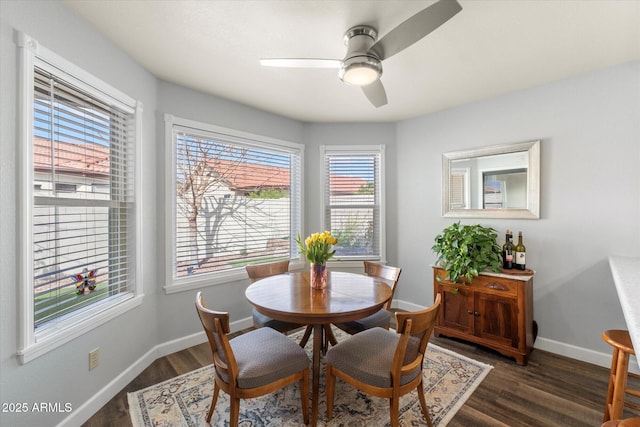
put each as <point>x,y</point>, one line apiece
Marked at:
<point>354,200</point>
<point>236,200</point>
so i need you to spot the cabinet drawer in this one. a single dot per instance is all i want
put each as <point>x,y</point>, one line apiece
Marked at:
<point>496,285</point>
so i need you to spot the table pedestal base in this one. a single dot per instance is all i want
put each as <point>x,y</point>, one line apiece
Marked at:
<point>322,337</point>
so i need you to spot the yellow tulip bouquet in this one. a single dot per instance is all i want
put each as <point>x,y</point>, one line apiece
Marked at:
<point>317,247</point>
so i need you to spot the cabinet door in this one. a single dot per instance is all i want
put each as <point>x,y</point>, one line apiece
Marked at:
<point>496,318</point>
<point>456,309</point>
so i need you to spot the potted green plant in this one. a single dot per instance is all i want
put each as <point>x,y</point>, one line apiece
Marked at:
<point>466,250</point>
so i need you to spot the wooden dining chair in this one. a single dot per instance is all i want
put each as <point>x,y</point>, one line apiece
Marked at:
<point>253,364</point>
<point>382,318</point>
<point>384,363</point>
<point>260,271</point>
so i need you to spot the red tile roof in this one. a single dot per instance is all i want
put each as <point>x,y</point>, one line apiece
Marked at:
<point>341,184</point>
<point>248,176</point>
<point>93,160</point>
<point>72,158</point>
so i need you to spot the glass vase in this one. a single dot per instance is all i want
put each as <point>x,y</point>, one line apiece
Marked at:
<point>318,276</point>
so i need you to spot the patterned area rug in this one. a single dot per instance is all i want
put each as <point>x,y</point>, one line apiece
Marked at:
<point>449,380</point>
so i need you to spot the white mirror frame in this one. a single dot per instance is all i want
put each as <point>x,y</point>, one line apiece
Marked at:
<point>533,182</point>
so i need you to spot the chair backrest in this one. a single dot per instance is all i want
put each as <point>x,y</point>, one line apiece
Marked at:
<point>415,329</point>
<point>260,271</point>
<point>385,272</point>
<point>216,326</point>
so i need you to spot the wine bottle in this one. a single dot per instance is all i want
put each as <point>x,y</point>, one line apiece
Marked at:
<point>520,254</point>
<point>507,251</point>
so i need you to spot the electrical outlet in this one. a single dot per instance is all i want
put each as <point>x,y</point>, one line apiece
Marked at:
<point>94,358</point>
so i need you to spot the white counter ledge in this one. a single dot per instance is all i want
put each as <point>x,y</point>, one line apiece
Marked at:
<point>626,276</point>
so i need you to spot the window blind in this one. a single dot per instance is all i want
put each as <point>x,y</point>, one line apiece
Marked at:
<point>83,204</point>
<point>352,203</point>
<point>237,202</point>
<point>458,193</point>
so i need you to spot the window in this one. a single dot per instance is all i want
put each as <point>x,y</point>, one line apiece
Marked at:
<point>353,190</point>
<point>505,188</point>
<point>235,200</point>
<point>80,246</point>
<point>460,188</point>
<point>61,187</point>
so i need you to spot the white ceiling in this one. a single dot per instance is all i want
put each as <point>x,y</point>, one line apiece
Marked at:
<point>489,48</point>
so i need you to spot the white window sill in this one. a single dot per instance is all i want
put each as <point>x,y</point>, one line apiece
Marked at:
<point>219,278</point>
<point>54,337</point>
<point>352,263</point>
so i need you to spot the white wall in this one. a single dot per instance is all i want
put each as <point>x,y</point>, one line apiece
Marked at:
<point>192,105</point>
<point>590,196</point>
<point>317,134</point>
<point>62,375</point>
<point>164,323</point>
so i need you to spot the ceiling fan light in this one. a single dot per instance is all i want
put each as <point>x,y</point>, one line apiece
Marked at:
<point>360,70</point>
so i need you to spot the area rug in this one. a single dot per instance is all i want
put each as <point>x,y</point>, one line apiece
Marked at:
<point>449,380</point>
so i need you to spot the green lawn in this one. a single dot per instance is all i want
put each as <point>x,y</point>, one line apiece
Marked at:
<point>256,261</point>
<point>64,300</point>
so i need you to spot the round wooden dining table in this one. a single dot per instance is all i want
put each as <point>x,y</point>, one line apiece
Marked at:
<point>289,297</point>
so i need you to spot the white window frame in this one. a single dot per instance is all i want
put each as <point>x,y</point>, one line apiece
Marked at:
<point>464,175</point>
<point>173,284</point>
<point>33,344</point>
<point>356,150</point>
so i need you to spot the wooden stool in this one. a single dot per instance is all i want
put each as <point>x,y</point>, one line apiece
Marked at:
<point>622,348</point>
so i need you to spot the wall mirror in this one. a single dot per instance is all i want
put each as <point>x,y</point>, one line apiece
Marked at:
<point>498,181</point>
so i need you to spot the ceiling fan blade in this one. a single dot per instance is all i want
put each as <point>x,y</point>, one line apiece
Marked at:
<point>301,62</point>
<point>375,93</point>
<point>415,28</point>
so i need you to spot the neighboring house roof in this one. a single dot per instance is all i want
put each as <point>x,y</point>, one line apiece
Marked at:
<point>71,158</point>
<point>242,176</point>
<point>93,160</point>
<point>341,184</point>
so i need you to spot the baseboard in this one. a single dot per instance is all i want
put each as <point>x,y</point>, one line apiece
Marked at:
<point>91,406</point>
<point>552,346</point>
<point>99,399</point>
<point>582,354</point>
<point>407,306</point>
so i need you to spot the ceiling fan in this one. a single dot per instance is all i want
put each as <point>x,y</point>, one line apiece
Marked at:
<point>362,65</point>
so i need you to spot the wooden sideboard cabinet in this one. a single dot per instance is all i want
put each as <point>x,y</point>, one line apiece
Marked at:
<point>495,310</point>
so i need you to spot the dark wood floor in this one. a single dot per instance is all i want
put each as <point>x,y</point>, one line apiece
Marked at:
<point>550,391</point>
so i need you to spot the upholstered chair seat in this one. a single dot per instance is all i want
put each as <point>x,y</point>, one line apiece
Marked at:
<point>368,356</point>
<point>253,364</point>
<point>262,321</point>
<point>382,318</point>
<point>385,363</point>
<point>379,319</point>
<point>263,356</point>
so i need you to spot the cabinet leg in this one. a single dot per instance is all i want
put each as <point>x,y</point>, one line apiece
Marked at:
<point>521,360</point>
